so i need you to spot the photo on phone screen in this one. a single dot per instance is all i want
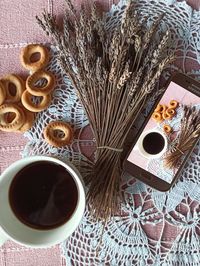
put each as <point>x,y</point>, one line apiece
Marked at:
<point>149,151</point>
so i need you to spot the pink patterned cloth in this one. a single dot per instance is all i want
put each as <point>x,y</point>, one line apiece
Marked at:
<point>18,28</point>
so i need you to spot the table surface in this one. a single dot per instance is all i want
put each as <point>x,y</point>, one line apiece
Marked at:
<point>18,28</point>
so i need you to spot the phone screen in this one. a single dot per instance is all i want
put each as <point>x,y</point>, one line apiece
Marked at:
<point>153,143</point>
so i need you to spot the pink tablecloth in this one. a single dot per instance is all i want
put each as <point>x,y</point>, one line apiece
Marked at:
<point>18,28</point>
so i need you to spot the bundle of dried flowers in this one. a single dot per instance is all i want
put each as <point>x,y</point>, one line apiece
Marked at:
<point>188,135</point>
<point>114,73</point>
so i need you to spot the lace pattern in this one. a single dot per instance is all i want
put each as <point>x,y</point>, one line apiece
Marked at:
<point>156,228</point>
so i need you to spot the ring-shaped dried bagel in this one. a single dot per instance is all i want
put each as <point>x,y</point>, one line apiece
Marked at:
<point>43,90</point>
<point>163,108</point>
<point>18,83</point>
<point>171,111</point>
<point>2,93</point>
<point>16,122</point>
<point>157,117</point>
<point>158,108</point>
<point>166,116</point>
<point>52,139</point>
<point>31,49</point>
<point>29,121</point>
<point>173,104</point>
<point>31,106</point>
<point>167,129</point>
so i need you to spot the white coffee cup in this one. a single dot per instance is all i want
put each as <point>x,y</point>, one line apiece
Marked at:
<point>13,229</point>
<point>143,152</point>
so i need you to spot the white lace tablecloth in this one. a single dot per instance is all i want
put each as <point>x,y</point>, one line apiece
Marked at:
<point>156,228</point>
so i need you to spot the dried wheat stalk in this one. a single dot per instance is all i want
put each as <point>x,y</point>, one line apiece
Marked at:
<point>188,135</point>
<point>113,73</point>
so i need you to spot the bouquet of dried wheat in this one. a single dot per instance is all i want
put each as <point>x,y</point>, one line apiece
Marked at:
<point>188,135</point>
<point>114,73</point>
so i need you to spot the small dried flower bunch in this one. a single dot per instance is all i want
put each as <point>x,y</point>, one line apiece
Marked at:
<point>186,138</point>
<point>113,73</point>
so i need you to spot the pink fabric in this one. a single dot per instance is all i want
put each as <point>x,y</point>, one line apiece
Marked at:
<point>18,28</point>
<point>194,3</point>
<point>12,254</point>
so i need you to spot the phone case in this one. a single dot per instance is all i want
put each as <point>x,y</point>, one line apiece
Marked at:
<point>152,180</point>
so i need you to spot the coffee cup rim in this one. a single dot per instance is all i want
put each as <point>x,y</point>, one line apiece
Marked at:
<point>146,154</point>
<point>79,208</point>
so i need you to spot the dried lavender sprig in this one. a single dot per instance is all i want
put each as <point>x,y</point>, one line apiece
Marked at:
<point>113,74</point>
<point>188,135</point>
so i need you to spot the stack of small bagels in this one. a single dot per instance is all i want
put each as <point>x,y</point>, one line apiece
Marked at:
<point>164,112</point>
<point>18,106</point>
<point>17,110</point>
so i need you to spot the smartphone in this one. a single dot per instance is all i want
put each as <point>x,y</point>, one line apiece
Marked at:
<point>145,160</point>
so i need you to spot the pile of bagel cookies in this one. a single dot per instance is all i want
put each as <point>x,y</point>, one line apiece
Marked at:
<point>18,97</point>
<point>17,108</point>
<point>164,113</point>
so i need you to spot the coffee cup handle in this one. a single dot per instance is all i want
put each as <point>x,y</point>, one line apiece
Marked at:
<point>3,237</point>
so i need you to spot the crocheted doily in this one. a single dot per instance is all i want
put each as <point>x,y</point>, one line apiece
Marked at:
<point>156,228</point>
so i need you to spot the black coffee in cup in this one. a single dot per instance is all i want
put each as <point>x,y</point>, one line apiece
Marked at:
<point>43,195</point>
<point>153,143</point>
